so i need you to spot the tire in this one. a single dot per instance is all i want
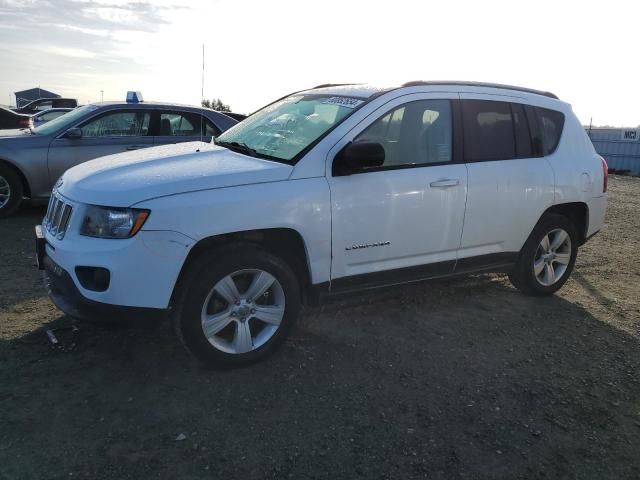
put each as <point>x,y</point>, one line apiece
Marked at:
<point>11,190</point>
<point>543,272</point>
<point>236,334</point>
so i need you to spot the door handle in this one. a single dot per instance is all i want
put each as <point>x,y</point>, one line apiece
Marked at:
<point>446,183</point>
<point>134,147</point>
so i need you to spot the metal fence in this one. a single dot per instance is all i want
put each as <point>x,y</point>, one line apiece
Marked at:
<point>620,147</point>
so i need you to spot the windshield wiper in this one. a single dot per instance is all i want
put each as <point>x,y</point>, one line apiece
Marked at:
<point>238,147</point>
<point>247,150</point>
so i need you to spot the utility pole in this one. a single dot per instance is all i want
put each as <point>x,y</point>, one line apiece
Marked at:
<point>102,95</point>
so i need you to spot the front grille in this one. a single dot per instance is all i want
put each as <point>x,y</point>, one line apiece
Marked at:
<point>57,217</point>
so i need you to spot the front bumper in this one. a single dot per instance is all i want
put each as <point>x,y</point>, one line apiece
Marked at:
<point>142,270</point>
<point>66,296</point>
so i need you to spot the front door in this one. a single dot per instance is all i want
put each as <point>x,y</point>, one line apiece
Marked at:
<point>403,220</point>
<point>112,132</point>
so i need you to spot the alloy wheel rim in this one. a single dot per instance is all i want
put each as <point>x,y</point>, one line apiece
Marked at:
<point>243,311</point>
<point>552,257</point>
<point>5,192</point>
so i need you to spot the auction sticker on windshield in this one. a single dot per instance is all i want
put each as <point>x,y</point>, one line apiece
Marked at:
<point>348,102</point>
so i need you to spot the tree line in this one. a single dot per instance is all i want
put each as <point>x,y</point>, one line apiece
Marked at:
<point>216,104</point>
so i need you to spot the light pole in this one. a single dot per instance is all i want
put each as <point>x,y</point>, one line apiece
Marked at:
<point>102,95</point>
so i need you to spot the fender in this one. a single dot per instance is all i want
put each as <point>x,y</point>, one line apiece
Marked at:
<point>302,206</point>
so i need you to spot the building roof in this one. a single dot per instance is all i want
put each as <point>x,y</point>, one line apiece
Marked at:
<point>41,92</point>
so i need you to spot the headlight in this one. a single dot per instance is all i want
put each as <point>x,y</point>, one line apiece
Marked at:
<point>112,222</point>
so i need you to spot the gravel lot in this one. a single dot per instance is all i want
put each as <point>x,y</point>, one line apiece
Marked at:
<point>443,380</point>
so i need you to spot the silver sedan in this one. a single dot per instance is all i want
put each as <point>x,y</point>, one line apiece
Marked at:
<point>31,160</point>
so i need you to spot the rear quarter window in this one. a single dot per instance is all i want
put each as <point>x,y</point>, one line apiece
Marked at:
<point>551,123</point>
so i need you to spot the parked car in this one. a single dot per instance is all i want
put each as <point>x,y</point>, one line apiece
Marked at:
<point>32,160</point>
<point>325,192</point>
<point>47,103</point>
<point>12,120</point>
<point>45,116</point>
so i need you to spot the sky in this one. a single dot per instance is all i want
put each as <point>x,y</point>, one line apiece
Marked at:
<point>256,51</point>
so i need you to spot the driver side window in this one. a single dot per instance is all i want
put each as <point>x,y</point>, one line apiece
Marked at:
<point>118,124</point>
<point>416,133</point>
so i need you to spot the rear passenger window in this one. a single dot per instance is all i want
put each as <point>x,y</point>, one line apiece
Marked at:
<point>186,124</point>
<point>179,124</point>
<point>488,130</point>
<point>521,126</point>
<point>551,123</point>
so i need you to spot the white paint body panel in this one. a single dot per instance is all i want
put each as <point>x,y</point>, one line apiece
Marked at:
<point>128,178</point>
<point>506,198</point>
<point>422,224</point>
<point>301,205</point>
<point>194,194</point>
<point>143,268</point>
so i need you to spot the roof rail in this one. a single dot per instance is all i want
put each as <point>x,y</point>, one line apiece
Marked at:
<point>324,85</point>
<point>417,83</point>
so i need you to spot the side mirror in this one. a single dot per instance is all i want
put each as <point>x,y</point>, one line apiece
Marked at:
<point>357,156</point>
<point>73,133</point>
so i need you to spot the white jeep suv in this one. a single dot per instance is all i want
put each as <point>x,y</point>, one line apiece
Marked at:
<point>325,191</point>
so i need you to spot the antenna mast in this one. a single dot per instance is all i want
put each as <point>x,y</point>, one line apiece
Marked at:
<point>203,123</point>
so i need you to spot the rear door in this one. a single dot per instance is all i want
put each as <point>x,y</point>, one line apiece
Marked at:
<point>510,182</point>
<point>174,126</point>
<point>114,131</point>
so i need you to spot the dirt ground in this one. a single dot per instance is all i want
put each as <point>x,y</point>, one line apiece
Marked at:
<point>442,380</point>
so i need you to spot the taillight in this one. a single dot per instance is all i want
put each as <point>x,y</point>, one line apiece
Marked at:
<point>605,175</point>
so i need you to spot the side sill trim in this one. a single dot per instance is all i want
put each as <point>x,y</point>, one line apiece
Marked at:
<point>492,263</point>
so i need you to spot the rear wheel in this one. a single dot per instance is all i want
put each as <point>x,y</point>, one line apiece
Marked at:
<point>237,306</point>
<point>547,258</point>
<point>11,191</point>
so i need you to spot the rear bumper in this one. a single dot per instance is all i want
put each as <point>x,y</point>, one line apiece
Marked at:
<point>66,296</point>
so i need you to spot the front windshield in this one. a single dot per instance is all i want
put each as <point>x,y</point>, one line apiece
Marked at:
<point>285,128</point>
<point>63,121</point>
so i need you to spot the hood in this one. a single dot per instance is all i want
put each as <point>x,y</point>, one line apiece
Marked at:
<point>128,178</point>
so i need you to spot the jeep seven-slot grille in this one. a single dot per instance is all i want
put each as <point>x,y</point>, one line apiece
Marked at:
<point>57,217</point>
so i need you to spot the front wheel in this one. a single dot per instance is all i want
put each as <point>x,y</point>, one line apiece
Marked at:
<point>10,191</point>
<point>547,258</point>
<point>237,306</point>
